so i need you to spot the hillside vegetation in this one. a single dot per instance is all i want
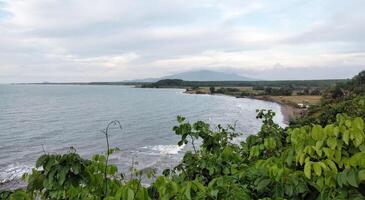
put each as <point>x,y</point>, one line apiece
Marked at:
<point>320,156</point>
<point>274,84</point>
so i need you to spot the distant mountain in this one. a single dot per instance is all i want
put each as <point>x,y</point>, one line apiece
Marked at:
<point>207,75</point>
<point>145,80</point>
<point>200,75</point>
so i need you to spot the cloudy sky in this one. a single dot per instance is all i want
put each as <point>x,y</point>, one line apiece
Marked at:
<point>110,40</point>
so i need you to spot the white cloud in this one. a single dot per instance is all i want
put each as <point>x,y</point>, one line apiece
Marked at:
<point>109,61</point>
<point>115,40</point>
<point>263,60</point>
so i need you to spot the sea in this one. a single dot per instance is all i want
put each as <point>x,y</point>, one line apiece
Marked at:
<point>38,119</point>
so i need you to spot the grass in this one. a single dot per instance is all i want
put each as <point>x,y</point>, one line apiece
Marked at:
<point>311,100</point>
<point>293,100</point>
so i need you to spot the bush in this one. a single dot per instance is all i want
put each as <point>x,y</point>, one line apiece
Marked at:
<point>212,90</point>
<point>309,162</point>
<point>282,91</point>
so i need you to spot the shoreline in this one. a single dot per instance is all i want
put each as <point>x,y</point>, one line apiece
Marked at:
<point>289,112</point>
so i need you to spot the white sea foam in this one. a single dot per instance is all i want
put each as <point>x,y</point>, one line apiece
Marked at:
<point>12,172</point>
<point>165,149</point>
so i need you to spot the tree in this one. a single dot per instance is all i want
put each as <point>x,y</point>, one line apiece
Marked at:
<point>337,93</point>
<point>316,92</point>
<point>212,90</point>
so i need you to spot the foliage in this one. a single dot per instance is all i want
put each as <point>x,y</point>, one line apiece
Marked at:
<point>310,162</point>
<point>167,83</point>
<point>246,94</point>
<point>346,90</point>
<point>257,85</point>
<point>282,91</point>
<point>344,97</point>
<point>327,113</point>
<point>227,90</point>
<point>315,92</point>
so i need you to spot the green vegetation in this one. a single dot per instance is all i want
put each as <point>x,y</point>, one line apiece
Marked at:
<point>346,97</point>
<point>166,83</point>
<point>256,84</point>
<point>273,88</point>
<point>321,156</point>
<point>258,89</point>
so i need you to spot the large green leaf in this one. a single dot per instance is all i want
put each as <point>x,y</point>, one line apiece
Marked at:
<point>351,178</point>
<point>317,132</point>
<point>359,123</point>
<point>308,169</point>
<point>361,175</point>
<point>263,184</point>
<point>317,168</point>
<point>332,142</point>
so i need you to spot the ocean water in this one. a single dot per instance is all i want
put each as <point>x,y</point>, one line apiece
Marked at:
<point>53,118</point>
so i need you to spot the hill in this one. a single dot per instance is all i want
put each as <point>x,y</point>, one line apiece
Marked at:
<point>207,75</point>
<point>200,75</point>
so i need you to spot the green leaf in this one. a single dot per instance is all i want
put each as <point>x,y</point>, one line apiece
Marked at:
<point>332,142</point>
<point>301,158</point>
<point>358,123</point>
<point>329,130</point>
<point>317,169</point>
<point>328,152</point>
<point>351,178</point>
<point>331,165</point>
<point>180,119</point>
<point>362,147</point>
<point>343,178</point>
<point>227,153</point>
<point>308,169</point>
<point>361,175</point>
<point>76,168</point>
<point>63,174</point>
<point>214,193</point>
<point>289,190</point>
<point>263,184</point>
<point>316,132</point>
<point>320,182</point>
<point>346,137</point>
<point>41,160</point>
<point>358,134</point>
<point>187,192</point>
<point>129,194</point>
<point>348,123</point>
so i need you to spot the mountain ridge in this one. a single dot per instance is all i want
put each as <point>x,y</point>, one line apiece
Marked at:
<point>200,75</point>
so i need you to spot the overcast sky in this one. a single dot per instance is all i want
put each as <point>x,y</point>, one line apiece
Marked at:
<point>110,40</point>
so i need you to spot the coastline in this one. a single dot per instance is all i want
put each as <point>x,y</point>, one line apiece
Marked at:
<point>289,112</point>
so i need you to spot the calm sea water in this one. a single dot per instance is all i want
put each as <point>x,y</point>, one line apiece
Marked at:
<point>56,117</point>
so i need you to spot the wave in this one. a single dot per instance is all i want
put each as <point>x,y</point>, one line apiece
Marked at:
<point>13,172</point>
<point>165,149</point>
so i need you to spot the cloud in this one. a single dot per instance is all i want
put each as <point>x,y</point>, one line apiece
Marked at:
<point>115,40</point>
<point>109,61</point>
<point>264,60</point>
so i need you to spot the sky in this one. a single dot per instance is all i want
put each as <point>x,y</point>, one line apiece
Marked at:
<point>113,40</point>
